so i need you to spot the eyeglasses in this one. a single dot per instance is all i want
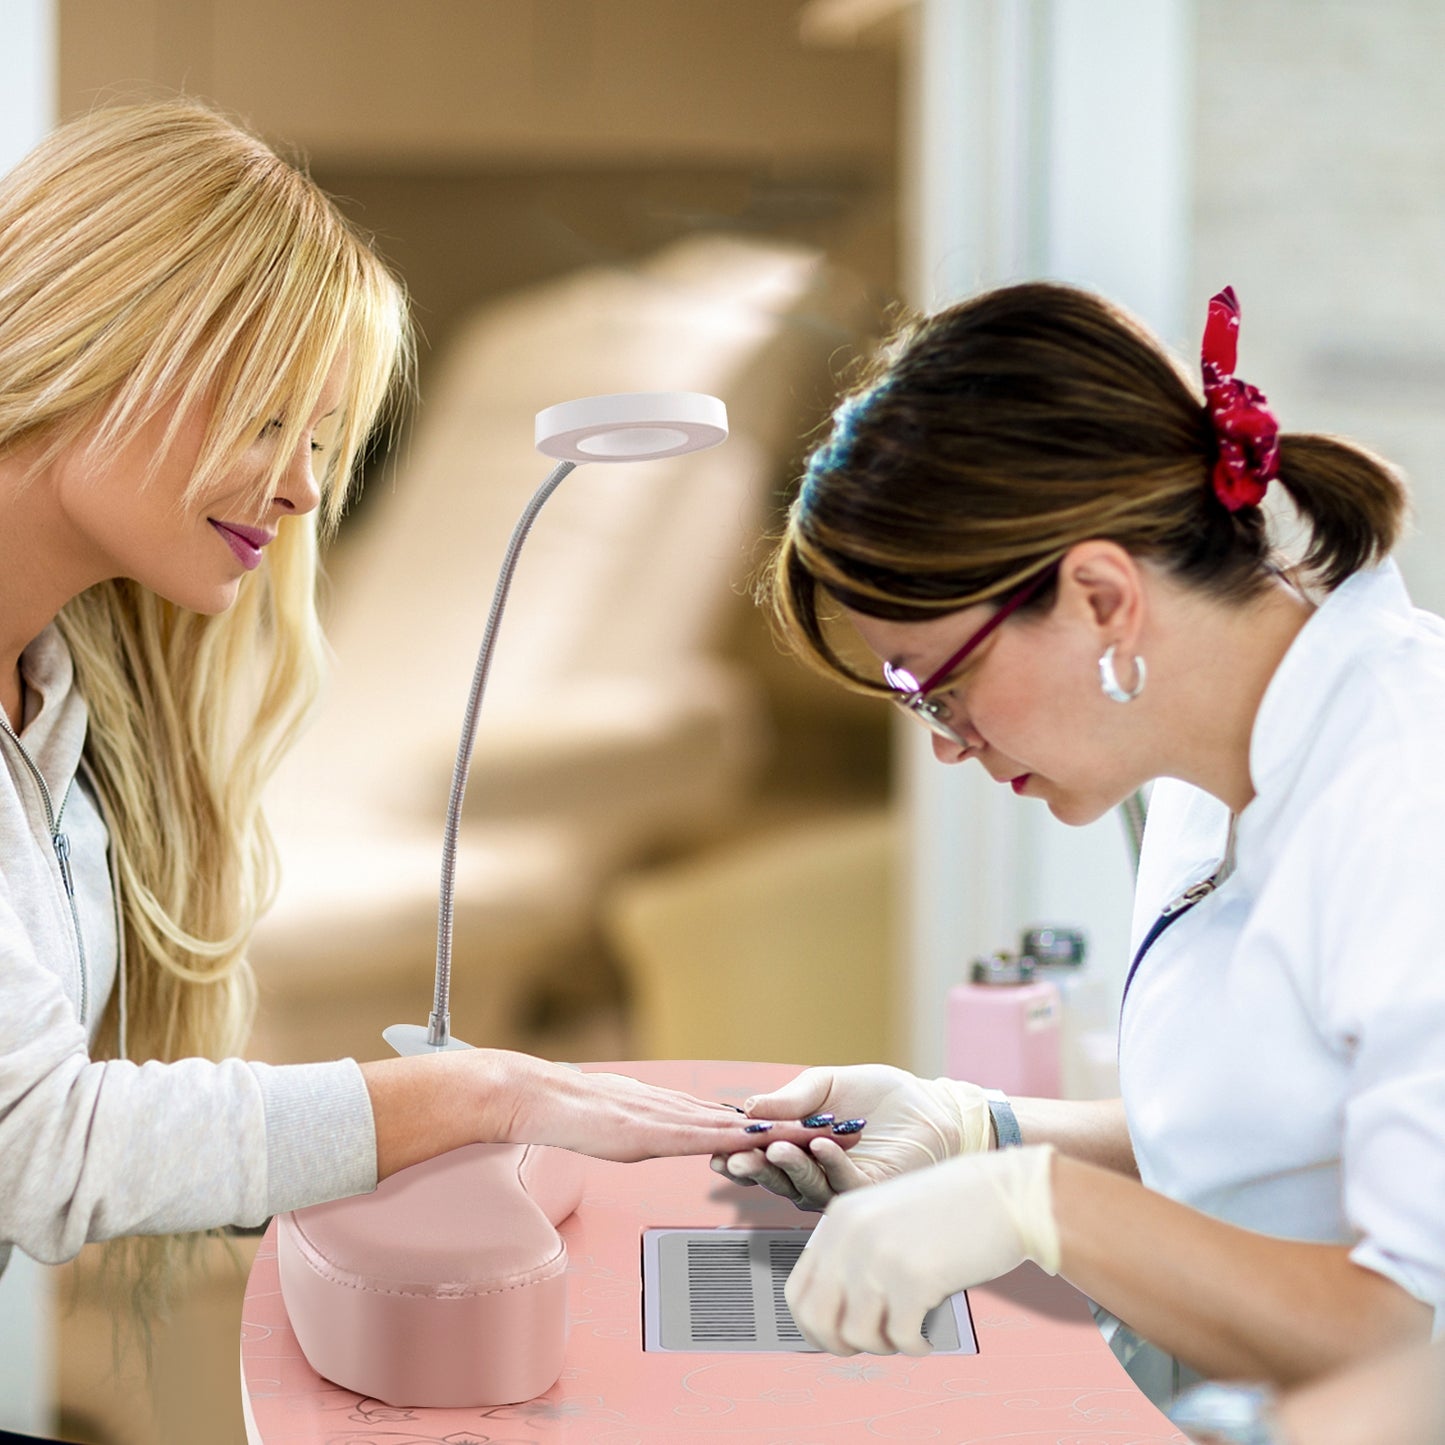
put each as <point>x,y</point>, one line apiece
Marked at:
<point>912,695</point>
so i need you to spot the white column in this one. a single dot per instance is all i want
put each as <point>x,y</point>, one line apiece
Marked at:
<point>28,64</point>
<point>1042,137</point>
<point>1118,189</point>
<point>1120,154</point>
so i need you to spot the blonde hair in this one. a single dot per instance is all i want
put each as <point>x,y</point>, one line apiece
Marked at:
<point>988,440</point>
<point>160,252</point>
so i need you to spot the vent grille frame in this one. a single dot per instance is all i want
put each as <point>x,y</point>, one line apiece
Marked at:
<point>720,1291</point>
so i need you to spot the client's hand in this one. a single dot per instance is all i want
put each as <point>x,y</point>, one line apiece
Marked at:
<point>882,1258</point>
<point>912,1123</point>
<point>614,1116</point>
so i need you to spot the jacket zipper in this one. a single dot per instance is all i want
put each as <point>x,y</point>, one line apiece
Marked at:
<point>60,842</point>
<point>1170,914</point>
<point>1191,895</point>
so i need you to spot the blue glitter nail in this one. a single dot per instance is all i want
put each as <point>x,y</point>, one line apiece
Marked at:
<point>849,1126</point>
<point>816,1121</point>
<point>755,1128</point>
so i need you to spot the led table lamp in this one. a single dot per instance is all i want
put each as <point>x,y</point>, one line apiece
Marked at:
<point>630,427</point>
<point>446,1286</point>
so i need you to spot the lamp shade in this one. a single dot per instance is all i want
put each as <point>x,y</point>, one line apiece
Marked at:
<point>632,426</point>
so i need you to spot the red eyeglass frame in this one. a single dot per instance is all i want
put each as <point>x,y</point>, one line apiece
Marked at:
<point>912,695</point>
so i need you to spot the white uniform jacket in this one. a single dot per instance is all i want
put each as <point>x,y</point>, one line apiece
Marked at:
<point>1282,1044</point>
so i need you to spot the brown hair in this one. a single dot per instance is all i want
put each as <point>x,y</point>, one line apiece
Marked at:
<point>986,441</point>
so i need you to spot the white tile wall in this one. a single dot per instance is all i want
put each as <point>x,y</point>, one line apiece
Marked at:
<point>1320,195</point>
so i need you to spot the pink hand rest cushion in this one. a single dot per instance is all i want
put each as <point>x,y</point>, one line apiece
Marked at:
<point>445,1287</point>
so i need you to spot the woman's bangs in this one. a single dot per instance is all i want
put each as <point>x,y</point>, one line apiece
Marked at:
<point>275,372</point>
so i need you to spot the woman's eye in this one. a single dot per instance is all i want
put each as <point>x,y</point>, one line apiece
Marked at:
<point>951,688</point>
<point>275,425</point>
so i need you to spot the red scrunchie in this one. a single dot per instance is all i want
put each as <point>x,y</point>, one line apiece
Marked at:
<point>1245,427</point>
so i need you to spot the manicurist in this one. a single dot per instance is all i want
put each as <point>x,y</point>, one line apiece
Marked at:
<point>1041,538</point>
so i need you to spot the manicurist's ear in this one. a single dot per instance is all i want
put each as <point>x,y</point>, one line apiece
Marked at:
<point>1101,585</point>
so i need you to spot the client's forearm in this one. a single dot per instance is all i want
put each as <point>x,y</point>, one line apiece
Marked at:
<point>433,1103</point>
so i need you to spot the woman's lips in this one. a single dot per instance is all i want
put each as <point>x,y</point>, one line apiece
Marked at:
<point>1018,783</point>
<point>244,542</point>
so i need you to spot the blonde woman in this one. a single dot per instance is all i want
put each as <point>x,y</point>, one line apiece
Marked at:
<point>1036,534</point>
<point>193,349</point>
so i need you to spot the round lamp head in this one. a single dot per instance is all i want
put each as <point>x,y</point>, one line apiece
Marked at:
<point>633,426</point>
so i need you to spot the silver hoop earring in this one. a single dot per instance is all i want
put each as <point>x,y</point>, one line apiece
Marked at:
<point>1109,679</point>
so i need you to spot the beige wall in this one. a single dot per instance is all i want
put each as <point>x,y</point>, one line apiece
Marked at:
<point>433,80</point>
<point>489,144</point>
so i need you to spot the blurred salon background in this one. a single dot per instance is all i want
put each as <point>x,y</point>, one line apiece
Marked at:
<point>678,844</point>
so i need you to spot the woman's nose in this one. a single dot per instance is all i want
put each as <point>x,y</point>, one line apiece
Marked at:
<point>299,491</point>
<point>948,750</point>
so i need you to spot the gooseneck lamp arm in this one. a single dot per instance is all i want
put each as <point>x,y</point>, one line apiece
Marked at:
<point>404,1037</point>
<point>621,428</point>
<point>439,1024</point>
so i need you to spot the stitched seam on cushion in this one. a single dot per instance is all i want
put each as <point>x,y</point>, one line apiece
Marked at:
<point>317,1263</point>
<point>333,1278</point>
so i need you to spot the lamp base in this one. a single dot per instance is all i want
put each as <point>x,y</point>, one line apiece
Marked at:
<point>411,1039</point>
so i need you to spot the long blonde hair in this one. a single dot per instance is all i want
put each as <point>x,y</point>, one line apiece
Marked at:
<point>155,252</point>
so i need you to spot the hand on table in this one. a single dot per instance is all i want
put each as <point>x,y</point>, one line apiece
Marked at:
<point>617,1117</point>
<point>881,1258</point>
<point>912,1123</point>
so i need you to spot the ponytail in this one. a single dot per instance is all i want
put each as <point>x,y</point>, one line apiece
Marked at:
<point>1355,504</point>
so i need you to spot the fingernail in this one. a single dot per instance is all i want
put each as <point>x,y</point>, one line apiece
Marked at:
<point>755,1128</point>
<point>748,1103</point>
<point>734,1108</point>
<point>816,1121</point>
<point>849,1126</point>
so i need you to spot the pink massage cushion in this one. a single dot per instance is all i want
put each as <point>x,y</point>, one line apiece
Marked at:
<point>445,1287</point>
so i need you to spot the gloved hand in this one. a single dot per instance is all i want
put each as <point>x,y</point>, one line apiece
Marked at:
<point>881,1258</point>
<point>912,1123</point>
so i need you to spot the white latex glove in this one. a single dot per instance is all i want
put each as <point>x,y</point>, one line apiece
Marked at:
<point>882,1258</point>
<point>912,1123</point>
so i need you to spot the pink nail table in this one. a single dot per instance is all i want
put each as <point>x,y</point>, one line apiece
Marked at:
<point>1042,1375</point>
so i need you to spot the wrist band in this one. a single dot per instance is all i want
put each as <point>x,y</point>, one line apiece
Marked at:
<point>1005,1124</point>
<point>1229,1414</point>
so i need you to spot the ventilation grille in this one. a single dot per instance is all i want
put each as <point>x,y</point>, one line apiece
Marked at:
<point>721,1290</point>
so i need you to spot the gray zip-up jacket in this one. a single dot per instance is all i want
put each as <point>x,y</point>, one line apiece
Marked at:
<point>96,1150</point>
